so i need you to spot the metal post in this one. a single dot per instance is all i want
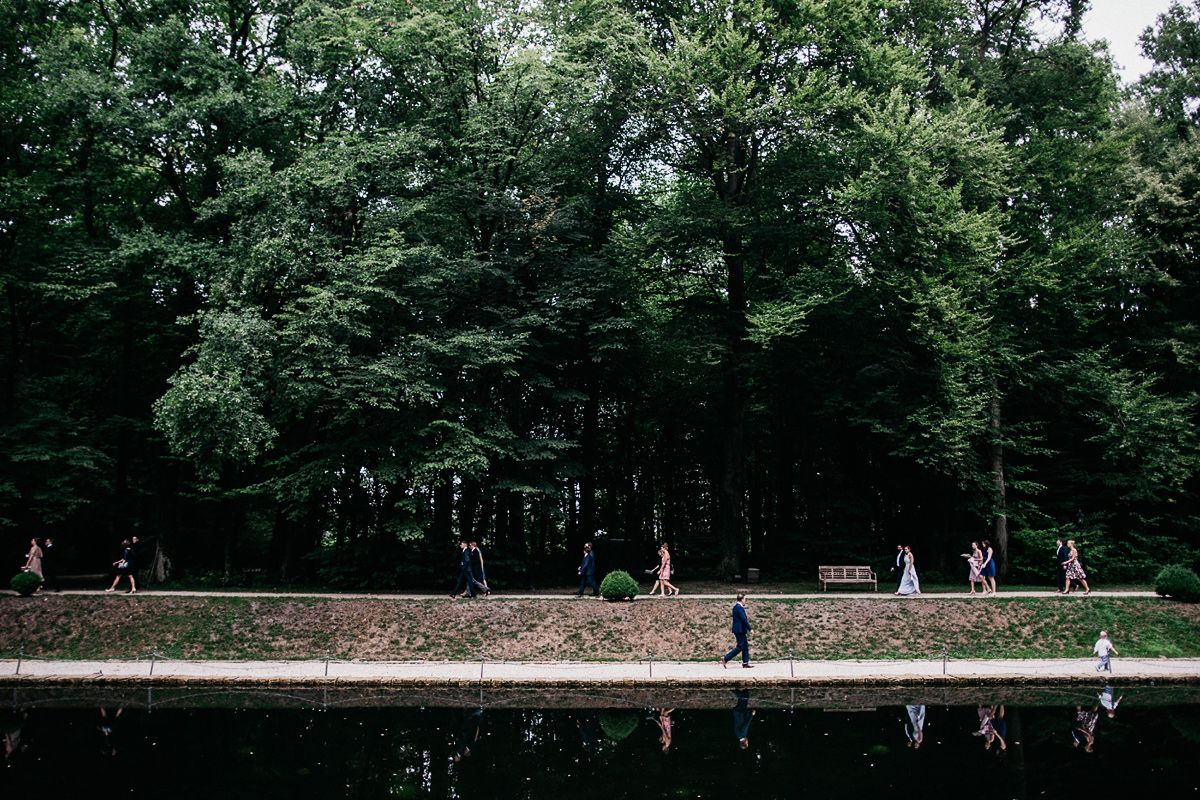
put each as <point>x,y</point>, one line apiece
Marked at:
<point>20,657</point>
<point>651,656</point>
<point>945,653</point>
<point>481,660</point>
<point>792,664</point>
<point>326,663</point>
<point>153,658</point>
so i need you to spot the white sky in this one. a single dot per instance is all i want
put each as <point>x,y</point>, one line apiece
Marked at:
<point>1121,22</point>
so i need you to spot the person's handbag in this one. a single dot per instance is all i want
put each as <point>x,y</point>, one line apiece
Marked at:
<point>122,564</point>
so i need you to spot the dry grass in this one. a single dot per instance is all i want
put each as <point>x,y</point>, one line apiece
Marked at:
<point>242,628</point>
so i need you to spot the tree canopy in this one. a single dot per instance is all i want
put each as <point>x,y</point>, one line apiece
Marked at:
<point>315,288</point>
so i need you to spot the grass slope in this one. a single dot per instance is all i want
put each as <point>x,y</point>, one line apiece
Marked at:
<point>121,627</point>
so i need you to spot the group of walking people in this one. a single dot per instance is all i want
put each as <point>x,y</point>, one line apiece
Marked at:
<point>982,564</point>
<point>472,578</point>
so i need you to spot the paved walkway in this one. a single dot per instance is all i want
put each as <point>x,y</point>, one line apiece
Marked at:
<point>559,673</point>
<point>756,595</point>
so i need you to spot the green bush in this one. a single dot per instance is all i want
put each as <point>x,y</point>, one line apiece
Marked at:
<point>617,585</point>
<point>25,583</point>
<point>1179,582</point>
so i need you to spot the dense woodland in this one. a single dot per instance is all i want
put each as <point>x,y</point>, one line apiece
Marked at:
<point>308,290</point>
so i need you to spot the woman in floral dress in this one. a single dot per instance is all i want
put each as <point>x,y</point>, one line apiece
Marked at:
<point>1074,570</point>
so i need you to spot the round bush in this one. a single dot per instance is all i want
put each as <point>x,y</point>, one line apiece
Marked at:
<point>25,583</point>
<point>1179,582</point>
<point>618,585</point>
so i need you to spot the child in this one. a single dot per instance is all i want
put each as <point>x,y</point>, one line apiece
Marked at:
<point>1104,648</point>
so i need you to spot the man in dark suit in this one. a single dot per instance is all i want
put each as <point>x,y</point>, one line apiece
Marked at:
<point>741,630</point>
<point>587,572</point>
<point>50,565</point>
<point>464,586</point>
<point>897,569</point>
<point>1061,555</point>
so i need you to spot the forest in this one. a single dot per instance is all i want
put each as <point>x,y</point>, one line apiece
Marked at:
<point>307,290</point>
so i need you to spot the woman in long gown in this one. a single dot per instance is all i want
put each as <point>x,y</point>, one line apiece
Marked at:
<point>1074,570</point>
<point>915,729</point>
<point>909,585</point>
<point>975,562</point>
<point>33,560</point>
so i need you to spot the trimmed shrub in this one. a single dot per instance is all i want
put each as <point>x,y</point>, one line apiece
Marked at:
<point>1179,582</point>
<point>618,585</point>
<point>25,583</point>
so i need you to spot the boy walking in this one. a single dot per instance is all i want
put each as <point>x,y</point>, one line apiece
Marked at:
<point>1104,648</point>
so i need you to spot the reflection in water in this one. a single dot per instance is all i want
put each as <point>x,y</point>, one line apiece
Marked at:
<point>914,729</point>
<point>468,734</point>
<point>993,727</point>
<point>742,716</point>
<point>664,727</point>
<point>1019,750</point>
<point>108,730</point>
<point>1109,701</point>
<point>1083,735</point>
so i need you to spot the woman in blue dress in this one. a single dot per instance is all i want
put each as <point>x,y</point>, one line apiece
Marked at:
<point>909,585</point>
<point>988,570</point>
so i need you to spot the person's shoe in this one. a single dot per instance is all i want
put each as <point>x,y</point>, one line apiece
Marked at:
<point>747,666</point>
<point>132,591</point>
<point>579,594</point>
<point>109,591</point>
<point>722,662</point>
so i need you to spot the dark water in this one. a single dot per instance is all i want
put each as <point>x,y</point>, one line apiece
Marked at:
<point>217,743</point>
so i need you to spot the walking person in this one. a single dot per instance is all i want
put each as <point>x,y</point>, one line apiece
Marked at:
<point>988,569</point>
<point>587,572</point>
<point>1104,648</point>
<point>124,567</point>
<point>909,585</point>
<point>464,586</point>
<point>1061,554</point>
<point>1084,732</point>
<point>741,632</point>
<point>1074,570</point>
<point>657,573</point>
<point>33,561</point>
<point>478,575</point>
<point>974,562</point>
<point>50,565</point>
<point>898,567</point>
<point>665,572</point>
<point>1109,700</point>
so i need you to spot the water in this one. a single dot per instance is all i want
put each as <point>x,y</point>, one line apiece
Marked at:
<point>756,743</point>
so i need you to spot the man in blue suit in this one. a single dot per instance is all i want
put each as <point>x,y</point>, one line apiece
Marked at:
<point>466,581</point>
<point>741,629</point>
<point>587,573</point>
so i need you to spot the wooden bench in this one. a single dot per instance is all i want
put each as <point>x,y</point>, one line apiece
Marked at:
<point>828,575</point>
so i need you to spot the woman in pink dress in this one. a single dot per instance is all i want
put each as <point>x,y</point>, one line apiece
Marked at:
<point>664,572</point>
<point>1074,570</point>
<point>975,562</point>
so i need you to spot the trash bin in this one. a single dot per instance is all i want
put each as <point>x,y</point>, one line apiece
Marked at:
<point>752,575</point>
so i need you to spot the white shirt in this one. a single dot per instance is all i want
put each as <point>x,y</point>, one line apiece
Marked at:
<point>1103,647</point>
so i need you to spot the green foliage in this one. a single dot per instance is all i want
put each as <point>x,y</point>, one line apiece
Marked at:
<point>1178,582</point>
<point>618,585</point>
<point>25,583</point>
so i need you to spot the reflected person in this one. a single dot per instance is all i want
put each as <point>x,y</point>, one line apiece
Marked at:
<point>468,735</point>
<point>991,727</point>
<point>1109,701</point>
<point>665,727</point>
<point>1084,732</point>
<point>914,729</point>
<point>742,717</point>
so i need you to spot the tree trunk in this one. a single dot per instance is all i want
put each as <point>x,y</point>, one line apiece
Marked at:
<point>1000,515</point>
<point>732,419</point>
